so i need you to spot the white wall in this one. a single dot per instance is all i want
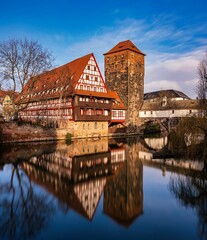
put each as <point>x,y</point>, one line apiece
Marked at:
<point>166,113</point>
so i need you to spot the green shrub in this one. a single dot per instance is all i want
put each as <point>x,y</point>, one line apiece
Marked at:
<point>152,128</point>
<point>68,138</point>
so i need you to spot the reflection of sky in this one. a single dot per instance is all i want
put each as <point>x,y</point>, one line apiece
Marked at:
<point>5,173</point>
<point>163,217</point>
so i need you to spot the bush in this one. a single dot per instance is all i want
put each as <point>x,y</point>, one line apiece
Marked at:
<point>68,138</point>
<point>152,128</point>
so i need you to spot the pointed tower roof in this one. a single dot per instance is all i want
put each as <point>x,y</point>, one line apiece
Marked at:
<point>125,45</point>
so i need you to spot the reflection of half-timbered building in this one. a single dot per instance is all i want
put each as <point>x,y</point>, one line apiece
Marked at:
<point>72,96</point>
<point>77,181</point>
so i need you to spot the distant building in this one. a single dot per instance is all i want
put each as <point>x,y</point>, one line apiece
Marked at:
<point>167,104</point>
<point>7,108</point>
<point>168,94</point>
<point>72,96</point>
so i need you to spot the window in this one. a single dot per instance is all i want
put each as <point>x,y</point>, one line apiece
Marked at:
<point>88,88</point>
<point>87,77</point>
<point>99,112</point>
<point>173,111</point>
<point>190,111</point>
<point>88,67</point>
<point>94,89</point>
<point>83,128</point>
<point>106,112</point>
<point>95,125</point>
<point>81,87</point>
<point>82,111</point>
<point>96,79</point>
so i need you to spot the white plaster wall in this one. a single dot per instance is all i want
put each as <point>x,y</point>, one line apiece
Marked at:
<point>166,113</point>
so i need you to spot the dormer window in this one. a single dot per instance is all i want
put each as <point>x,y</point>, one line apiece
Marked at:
<point>164,101</point>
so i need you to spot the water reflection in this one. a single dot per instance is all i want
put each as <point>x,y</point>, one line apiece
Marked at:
<point>191,191</point>
<point>76,174</point>
<point>123,194</point>
<point>18,205</point>
<point>38,180</point>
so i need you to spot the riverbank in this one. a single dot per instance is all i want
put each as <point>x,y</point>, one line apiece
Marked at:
<point>13,132</point>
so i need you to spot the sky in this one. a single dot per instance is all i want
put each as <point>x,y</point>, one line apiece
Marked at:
<point>172,33</point>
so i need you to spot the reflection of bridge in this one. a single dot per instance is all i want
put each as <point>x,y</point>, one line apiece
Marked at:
<point>152,155</point>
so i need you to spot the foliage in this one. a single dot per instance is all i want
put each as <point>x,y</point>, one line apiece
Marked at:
<point>152,128</point>
<point>68,138</point>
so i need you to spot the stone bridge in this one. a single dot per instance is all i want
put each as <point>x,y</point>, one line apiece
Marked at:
<point>165,123</point>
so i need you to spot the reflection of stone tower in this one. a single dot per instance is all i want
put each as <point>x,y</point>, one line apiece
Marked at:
<point>123,194</point>
<point>124,73</point>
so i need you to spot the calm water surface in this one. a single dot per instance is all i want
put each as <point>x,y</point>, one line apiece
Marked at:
<point>103,189</point>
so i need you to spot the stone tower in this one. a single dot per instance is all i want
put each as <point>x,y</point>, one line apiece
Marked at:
<point>124,73</point>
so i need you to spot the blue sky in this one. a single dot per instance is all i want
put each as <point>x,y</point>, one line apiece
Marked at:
<point>172,33</point>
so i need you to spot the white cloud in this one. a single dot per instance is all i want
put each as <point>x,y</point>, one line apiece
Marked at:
<point>179,71</point>
<point>168,63</point>
<point>161,85</point>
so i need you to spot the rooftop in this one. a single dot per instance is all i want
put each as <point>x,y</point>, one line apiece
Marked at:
<point>170,93</point>
<point>125,45</point>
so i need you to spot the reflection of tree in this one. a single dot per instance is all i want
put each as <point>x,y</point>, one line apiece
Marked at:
<point>192,192</point>
<point>23,211</point>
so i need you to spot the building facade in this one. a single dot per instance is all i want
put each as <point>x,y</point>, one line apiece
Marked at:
<point>124,73</point>
<point>73,96</point>
<point>168,104</point>
<point>7,107</point>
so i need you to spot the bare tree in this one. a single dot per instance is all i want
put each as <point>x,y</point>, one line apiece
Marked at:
<point>20,60</point>
<point>201,88</point>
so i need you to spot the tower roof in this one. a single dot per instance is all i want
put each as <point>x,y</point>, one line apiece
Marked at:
<point>125,45</point>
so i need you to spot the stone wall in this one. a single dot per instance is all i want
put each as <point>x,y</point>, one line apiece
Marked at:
<point>124,73</point>
<point>90,129</point>
<point>12,132</point>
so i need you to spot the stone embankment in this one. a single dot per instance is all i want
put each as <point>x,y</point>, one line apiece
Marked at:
<point>12,132</point>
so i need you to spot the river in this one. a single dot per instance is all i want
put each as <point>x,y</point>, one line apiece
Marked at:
<point>101,189</point>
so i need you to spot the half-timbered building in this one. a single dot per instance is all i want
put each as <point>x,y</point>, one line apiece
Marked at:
<point>73,96</point>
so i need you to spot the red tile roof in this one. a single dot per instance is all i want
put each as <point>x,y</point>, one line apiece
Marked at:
<point>125,45</point>
<point>44,86</point>
<point>91,93</point>
<point>68,74</point>
<point>4,93</point>
<point>118,104</point>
